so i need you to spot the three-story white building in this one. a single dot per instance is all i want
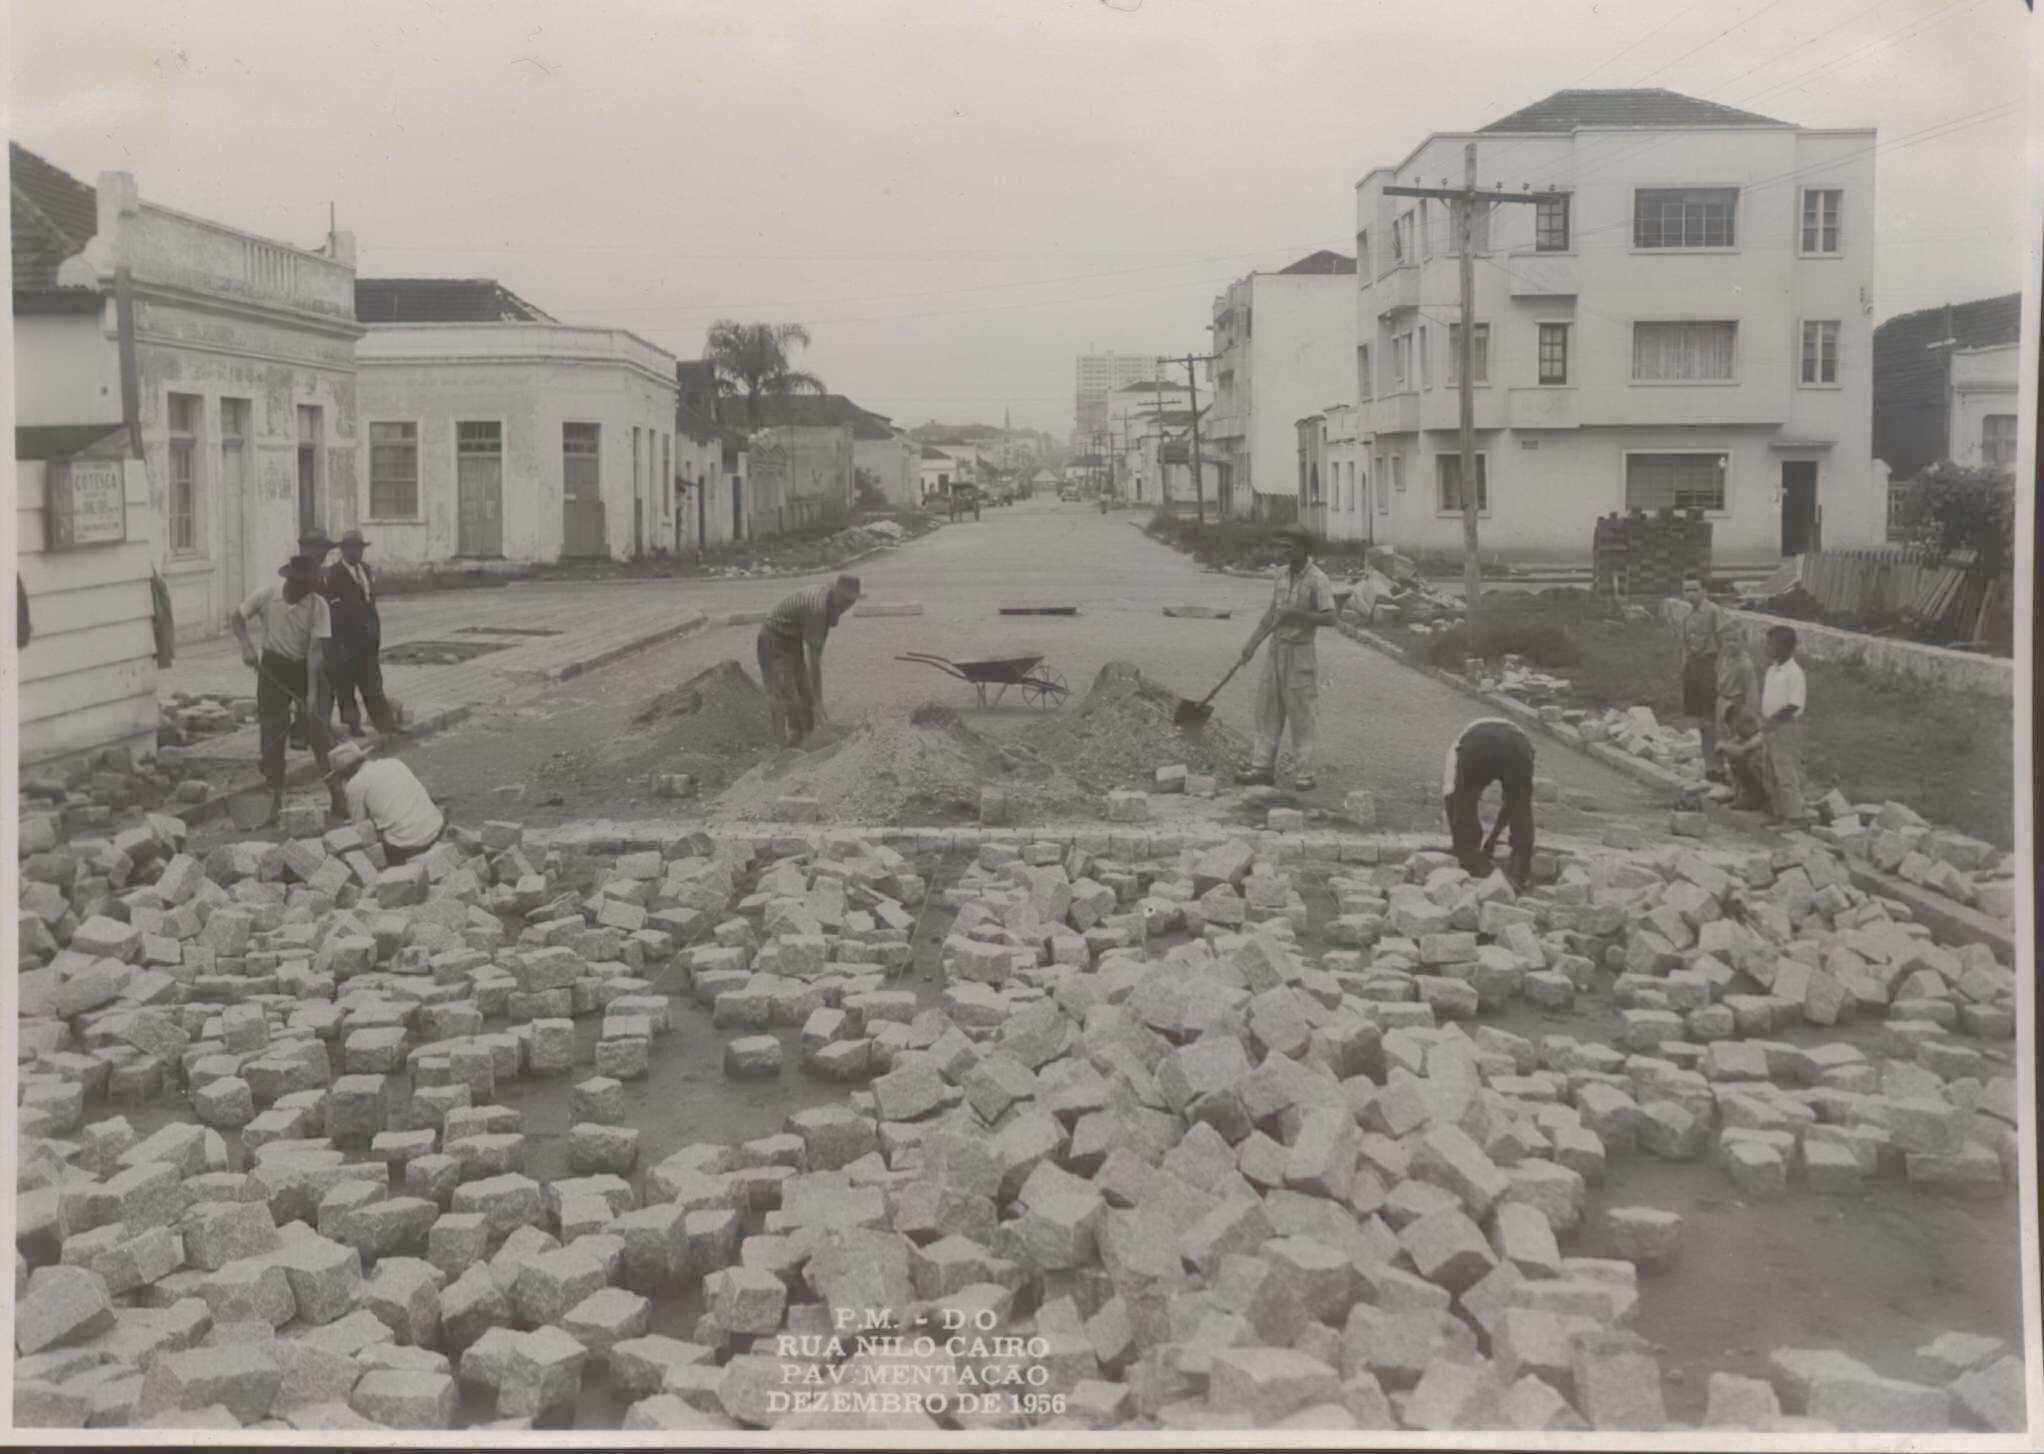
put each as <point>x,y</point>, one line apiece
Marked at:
<point>1681,320</point>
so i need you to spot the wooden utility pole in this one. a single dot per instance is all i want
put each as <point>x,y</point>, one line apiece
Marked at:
<point>1199,474</point>
<point>1463,202</point>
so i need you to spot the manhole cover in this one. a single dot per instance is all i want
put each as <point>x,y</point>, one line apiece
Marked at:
<point>439,653</point>
<point>508,631</point>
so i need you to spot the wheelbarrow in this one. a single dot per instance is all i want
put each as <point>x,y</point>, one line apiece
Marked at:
<point>1040,686</point>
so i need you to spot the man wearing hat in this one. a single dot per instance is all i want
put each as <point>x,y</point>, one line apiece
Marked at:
<point>1301,602</point>
<point>350,588</point>
<point>802,621</point>
<point>386,802</point>
<point>290,680</point>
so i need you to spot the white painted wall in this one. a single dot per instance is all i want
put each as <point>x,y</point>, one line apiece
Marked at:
<point>894,463</point>
<point>1301,354</point>
<point>532,378</point>
<point>69,370</point>
<point>1983,383</point>
<point>88,675</point>
<point>1556,451</point>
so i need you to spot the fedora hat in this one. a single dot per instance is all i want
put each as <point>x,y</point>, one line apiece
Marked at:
<point>300,568</point>
<point>354,537</point>
<point>345,757</point>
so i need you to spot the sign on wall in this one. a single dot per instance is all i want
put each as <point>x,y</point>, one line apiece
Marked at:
<point>87,504</point>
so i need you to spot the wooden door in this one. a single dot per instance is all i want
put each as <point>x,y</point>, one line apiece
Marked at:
<point>1799,507</point>
<point>479,489</point>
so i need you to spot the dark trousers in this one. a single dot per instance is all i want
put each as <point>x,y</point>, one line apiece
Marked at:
<point>357,676</point>
<point>1489,755</point>
<point>282,690</point>
<point>394,856</point>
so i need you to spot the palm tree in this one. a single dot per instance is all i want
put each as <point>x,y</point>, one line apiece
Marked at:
<point>751,359</point>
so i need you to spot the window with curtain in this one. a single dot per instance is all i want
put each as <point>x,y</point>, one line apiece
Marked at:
<point>1683,352</point>
<point>1821,206</point>
<point>1675,481</point>
<point>1998,441</point>
<point>1684,217</point>
<point>1448,473</point>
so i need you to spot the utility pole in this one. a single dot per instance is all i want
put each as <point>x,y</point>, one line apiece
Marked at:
<point>1463,202</point>
<point>1199,484</point>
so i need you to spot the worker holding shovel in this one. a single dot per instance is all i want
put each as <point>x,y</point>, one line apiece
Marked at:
<point>290,682</point>
<point>1301,602</point>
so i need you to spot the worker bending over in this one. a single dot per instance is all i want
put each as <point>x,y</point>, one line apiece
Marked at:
<point>1490,750</point>
<point>387,802</point>
<point>1301,602</point>
<point>801,622</point>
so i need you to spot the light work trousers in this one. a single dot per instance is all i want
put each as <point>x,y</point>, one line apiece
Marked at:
<point>1287,697</point>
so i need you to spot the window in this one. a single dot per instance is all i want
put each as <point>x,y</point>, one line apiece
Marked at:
<point>1683,352</point>
<point>1998,441</point>
<point>1550,223</point>
<point>1401,361</point>
<point>187,422</point>
<point>1820,353</point>
<point>234,417</point>
<point>1363,254</point>
<point>1383,499</point>
<point>1655,482</point>
<point>393,470</point>
<point>1820,221</point>
<point>581,454</point>
<point>1684,216</point>
<point>1479,370</point>
<point>1398,473</point>
<point>1364,388</point>
<point>1554,353</point>
<point>1448,473</point>
<point>1316,484</point>
<point>1401,239</point>
<point>479,440</point>
<point>1426,375</point>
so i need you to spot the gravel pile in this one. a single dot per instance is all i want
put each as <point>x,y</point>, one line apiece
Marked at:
<point>1121,732</point>
<point>927,767</point>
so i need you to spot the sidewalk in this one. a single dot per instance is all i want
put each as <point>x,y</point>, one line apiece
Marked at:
<point>581,631</point>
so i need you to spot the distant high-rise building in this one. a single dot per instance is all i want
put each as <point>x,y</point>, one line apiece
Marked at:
<point>1100,374</point>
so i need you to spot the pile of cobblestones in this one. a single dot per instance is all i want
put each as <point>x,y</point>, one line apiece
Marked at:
<point>1149,1161</point>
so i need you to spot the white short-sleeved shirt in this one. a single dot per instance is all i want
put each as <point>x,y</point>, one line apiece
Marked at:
<point>288,630</point>
<point>1783,687</point>
<point>395,803</point>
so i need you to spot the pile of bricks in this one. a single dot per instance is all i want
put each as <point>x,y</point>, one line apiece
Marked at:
<point>1637,554</point>
<point>1184,1171</point>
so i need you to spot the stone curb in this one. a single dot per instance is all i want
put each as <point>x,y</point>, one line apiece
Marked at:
<point>568,671</point>
<point>1949,918</point>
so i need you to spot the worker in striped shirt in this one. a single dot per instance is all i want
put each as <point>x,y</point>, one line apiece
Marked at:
<point>799,625</point>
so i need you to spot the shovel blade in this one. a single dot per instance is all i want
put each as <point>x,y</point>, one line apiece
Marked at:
<point>1189,713</point>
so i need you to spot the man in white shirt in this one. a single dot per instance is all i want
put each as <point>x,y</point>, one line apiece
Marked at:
<point>290,675</point>
<point>1301,602</point>
<point>387,803</point>
<point>1784,699</point>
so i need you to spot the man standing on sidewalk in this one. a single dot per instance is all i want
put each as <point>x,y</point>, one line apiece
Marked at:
<point>290,684</point>
<point>358,639</point>
<point>1301,602</point>
<point>801,622</point>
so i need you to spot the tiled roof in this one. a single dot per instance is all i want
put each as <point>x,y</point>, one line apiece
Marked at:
<point>1650,107</point>
<point>52,216</point>
<point>813,410</point>
<point>441,300</point>
<point>1324,261</point>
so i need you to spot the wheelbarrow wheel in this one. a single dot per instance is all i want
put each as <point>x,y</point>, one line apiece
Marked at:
<point>1044,689</point>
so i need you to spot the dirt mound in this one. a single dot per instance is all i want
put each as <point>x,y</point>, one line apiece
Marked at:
<point>711,726</point>
<point>925,769</point>
<point>721,697</point>
<point>1121,732</point>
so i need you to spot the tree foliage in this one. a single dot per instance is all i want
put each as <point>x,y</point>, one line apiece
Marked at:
<point>754,361</point>
<point>1957,510</point>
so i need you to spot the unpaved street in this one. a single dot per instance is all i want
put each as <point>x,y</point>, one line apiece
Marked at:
<point>1382,727</point>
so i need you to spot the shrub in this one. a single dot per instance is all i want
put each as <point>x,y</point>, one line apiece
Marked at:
<point>1951,509</point>
<point>1542,643</point>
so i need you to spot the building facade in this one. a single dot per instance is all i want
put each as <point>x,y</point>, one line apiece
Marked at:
<point>1680,321</point>
<point>1945,382</point>
<point>1097,376</point>
<point>1336,482</point>
<point>230,355</point>
<point>1283,345</point>
<point>517,439</point>
<point>892,461</point>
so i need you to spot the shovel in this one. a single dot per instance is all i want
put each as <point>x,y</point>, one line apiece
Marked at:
<point>1191,713</point>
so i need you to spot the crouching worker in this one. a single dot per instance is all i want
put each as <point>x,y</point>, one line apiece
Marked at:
<point>1490,751</point>
<point>387,803</point>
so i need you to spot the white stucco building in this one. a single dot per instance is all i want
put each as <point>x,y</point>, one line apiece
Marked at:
<point>1284,344</point>
<point>1338,484</point>
<point>493,432</point>
<point>1985,406</point>
<point>238,376</point>
<point>1682,320</point>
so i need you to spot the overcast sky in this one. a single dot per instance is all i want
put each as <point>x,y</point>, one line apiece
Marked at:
<point>957,196</point>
